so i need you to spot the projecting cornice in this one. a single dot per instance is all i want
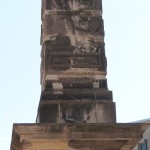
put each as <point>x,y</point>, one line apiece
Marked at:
<point>76,136</point>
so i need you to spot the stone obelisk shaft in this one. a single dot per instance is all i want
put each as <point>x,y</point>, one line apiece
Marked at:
<point>73,68</point>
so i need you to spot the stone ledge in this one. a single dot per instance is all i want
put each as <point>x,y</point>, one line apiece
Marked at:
<point>72,12</point>
<point>77,136</point>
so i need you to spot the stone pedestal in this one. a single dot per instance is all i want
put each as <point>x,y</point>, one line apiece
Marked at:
<point>76,112</point>
<point>80,103</point>
<point>76,136</point>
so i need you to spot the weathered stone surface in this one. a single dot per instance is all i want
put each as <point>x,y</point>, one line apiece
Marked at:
<point>73,25</point>
<point>77,94</point>
<point>71,5</point>
<point>76,136</point>
<point>76,111</point>
<point>72,40</point>
<point>72,37</point>
<point>60,52</point>
<point>77,83</point>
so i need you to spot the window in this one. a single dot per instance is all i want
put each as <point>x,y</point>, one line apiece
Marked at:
<point>143,146</point>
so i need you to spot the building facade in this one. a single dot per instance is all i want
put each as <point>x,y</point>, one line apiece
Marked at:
<point>144,144</point>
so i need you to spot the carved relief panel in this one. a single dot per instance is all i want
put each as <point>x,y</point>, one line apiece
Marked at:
<point>61,54</point>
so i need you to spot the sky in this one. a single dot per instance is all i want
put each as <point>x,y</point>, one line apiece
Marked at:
<point>127,39</point>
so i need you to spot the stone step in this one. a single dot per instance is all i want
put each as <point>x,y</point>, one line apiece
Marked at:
<point>77,94</point>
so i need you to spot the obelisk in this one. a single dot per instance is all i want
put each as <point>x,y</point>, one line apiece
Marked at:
<point>76,110</point>
<point>73,68</point>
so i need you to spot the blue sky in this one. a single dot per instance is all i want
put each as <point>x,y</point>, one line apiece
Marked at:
<point>127,29</point>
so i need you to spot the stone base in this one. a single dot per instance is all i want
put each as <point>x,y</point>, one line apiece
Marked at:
<point>88,111</point>
<point>76,136</point>
<point>76,105</point>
